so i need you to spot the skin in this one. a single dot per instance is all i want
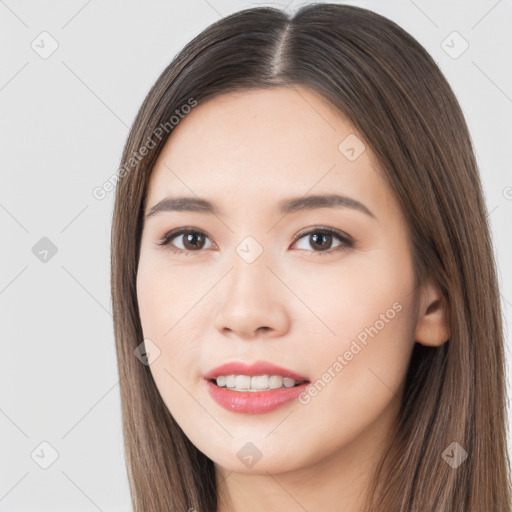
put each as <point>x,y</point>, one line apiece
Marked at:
<point>299,304</point>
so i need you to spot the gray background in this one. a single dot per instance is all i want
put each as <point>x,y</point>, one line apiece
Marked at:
<point>63,122</point>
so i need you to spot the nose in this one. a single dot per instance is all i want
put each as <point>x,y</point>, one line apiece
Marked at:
<point>253,302</point>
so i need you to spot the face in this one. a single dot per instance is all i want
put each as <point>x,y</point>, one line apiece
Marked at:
<point>324,290</point>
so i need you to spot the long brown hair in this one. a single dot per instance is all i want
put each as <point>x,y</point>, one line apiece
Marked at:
<point>394,94</point>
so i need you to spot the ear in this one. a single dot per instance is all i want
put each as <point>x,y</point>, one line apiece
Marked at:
<point>433,326</point>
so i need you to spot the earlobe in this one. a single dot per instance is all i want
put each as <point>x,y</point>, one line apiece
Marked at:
<point>433,326</point>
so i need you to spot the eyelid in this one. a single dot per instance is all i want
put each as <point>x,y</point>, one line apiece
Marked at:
<point>174,233</point>
<point>332,231</point>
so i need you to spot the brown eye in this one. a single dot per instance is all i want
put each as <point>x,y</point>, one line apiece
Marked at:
<point>320,240</point>
<point>192,240</point>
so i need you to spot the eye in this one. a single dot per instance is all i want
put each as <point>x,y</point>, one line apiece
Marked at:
<point>321,240</point>
<point>193,240</point>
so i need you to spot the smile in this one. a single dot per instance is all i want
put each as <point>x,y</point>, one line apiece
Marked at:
<point>254,383</point>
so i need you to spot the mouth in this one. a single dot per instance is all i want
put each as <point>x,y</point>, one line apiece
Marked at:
<point>257,376</point>
<point>256,388</point>
<point>255,383</point>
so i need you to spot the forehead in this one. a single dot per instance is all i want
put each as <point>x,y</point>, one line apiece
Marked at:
<point>263,144</point>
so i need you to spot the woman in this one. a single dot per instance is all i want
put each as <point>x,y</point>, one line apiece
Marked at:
<point>266,377</point>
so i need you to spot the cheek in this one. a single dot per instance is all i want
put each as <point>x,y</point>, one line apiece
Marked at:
<point>164,311</point>
<point>358,378</point>
<point>359,370</point>
<point>170,309</point>
<point>340,300</point>
<point>172,300</point>
<point>364,308</point>
<point>163,295</point>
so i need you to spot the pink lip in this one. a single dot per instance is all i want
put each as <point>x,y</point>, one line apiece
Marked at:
<point>253,402</point>
<point>257,368</point>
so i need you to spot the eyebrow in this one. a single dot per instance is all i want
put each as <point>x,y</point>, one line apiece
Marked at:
<point>295,204</point>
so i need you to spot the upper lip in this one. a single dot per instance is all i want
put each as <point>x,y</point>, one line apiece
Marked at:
<point>256,368</point>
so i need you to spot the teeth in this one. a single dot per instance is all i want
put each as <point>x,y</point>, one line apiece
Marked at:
<point>256,383</point>
<point>242,382</point>
<point>288,383</point>
<point>275,382</point>
<point>259,382</point>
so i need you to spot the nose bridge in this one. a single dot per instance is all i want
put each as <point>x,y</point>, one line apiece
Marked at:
<point>251,301</point>
<point>250,274</point>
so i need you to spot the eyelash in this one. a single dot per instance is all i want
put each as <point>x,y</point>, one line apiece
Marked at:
<point>346,241</point>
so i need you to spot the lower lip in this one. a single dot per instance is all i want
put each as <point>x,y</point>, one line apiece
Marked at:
<point>254,402</point>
